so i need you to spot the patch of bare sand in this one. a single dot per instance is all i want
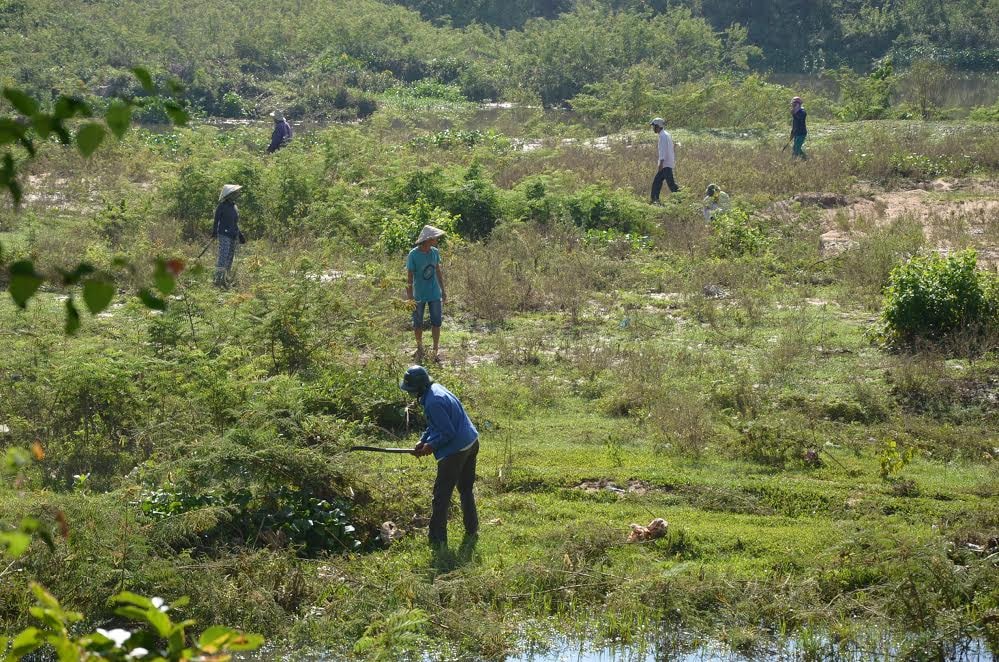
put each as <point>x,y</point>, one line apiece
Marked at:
<point>954,215</point>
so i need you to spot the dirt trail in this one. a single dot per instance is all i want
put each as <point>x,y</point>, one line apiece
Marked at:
<point>953,214</point>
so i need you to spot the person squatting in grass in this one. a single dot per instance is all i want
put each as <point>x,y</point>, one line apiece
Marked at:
<point>799,131</point>
<point>715,200</point>
<point>425,287</point>
<point>454,441</point>
<point>226,231</point>
<point>666,161</point>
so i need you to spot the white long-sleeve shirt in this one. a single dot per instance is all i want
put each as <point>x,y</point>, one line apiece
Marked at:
<point>667,157</point>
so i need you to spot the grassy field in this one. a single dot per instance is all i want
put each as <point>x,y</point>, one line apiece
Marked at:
<point>622,362</point>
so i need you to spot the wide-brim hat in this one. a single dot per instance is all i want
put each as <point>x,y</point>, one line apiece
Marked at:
<point>796,100</point>
<point>229,190</point>
<point>660,122</point>
<point>429,232</point>
<point>416,380</point>
<point>277,115</point>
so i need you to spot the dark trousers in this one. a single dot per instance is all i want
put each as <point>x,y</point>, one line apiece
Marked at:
<point>796,151</point>
<point>458,471</point>
<point>665,174</point>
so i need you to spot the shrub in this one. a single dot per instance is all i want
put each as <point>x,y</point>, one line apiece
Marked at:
<point>400,231</point>
<point>477,205</point>
<point>932,299</point>
<point>598,208</point>
<point>986,113</point>
<point>737,234</point>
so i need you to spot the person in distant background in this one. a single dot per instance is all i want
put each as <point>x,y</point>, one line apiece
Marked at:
<point>666,161</point>
<point>282,133</point>
<point>226,231</point>
<point>715,200</point>
<point>799,131</point>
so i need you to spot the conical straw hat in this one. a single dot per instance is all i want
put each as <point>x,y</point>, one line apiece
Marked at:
<point>429,232</point>
<point>228,190</point>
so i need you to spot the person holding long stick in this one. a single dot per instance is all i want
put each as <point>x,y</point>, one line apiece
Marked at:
<point>454,442</point>
<point>799,129</point>
<point>226,231</point>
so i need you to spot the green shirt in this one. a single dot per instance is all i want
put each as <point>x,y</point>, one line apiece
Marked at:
<point>424,267</point>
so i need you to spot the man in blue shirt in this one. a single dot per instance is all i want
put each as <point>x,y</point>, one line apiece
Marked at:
<point>425,287</point>
<point>454,442</point>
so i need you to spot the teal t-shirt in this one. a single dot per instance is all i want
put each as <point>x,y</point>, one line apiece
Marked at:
<point>424,268</point>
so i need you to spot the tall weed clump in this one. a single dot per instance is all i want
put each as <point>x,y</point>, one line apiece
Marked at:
<point>194,193</point>
<point>932,300</point>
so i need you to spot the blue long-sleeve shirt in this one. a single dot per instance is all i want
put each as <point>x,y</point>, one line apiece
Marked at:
<point>282,134</point>
<point>449,430</point>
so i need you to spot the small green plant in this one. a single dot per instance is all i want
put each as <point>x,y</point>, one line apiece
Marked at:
<point>932,299</point>
<point>615,453</point>
<point>388,638</point>
<point>736,234</point>
<point>893,459</point>
<point>158,638</point>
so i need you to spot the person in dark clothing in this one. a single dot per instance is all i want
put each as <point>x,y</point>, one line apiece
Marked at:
<point>226,231</point>
<point>799,130</point>
<point>282,133</point>
<point>454,441</point>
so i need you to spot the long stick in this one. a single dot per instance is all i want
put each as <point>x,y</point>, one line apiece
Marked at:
<point>203,250</point>
<point>379,449</point>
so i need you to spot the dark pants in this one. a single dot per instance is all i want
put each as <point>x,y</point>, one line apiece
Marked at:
<point>456,470</point>
<point>665,174</point>
<point>796,149</point>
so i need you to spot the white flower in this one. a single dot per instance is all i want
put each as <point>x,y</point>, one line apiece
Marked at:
<point>160,604</point>
<point>137,653</point>
<point>118,635</point>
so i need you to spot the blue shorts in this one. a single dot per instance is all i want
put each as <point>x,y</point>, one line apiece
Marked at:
<point>436,313</point>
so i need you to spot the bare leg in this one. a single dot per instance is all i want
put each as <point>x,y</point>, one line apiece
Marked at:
<point>418,332</point>
<point>435,331</point>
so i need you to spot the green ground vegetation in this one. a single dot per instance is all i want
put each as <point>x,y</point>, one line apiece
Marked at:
<point>339,60</point>
<point>622,362</point>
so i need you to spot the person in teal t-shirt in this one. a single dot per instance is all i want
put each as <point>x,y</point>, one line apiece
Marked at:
<point>425,287</point>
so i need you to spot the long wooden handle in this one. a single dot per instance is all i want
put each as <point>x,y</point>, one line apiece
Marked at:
<point>379,449</point>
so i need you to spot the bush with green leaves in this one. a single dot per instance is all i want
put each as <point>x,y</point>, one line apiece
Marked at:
<point>736,233</point>
<point>400,231</point>
<point>597,207</point>
<point>931,299</point>
<point>158,638</point>
<point>310,524</point>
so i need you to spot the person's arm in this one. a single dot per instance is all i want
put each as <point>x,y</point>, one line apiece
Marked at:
<point>670,153</point>
<point>662,152</point>
<point>440,280</point>
<point>409,284</point>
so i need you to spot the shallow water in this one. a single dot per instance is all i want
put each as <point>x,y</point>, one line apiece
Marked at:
<point>692,649</point>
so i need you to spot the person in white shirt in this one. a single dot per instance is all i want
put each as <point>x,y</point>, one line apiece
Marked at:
<point>667,161</point>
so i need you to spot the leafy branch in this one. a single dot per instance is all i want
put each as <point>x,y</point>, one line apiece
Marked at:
<point>33,123</point>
